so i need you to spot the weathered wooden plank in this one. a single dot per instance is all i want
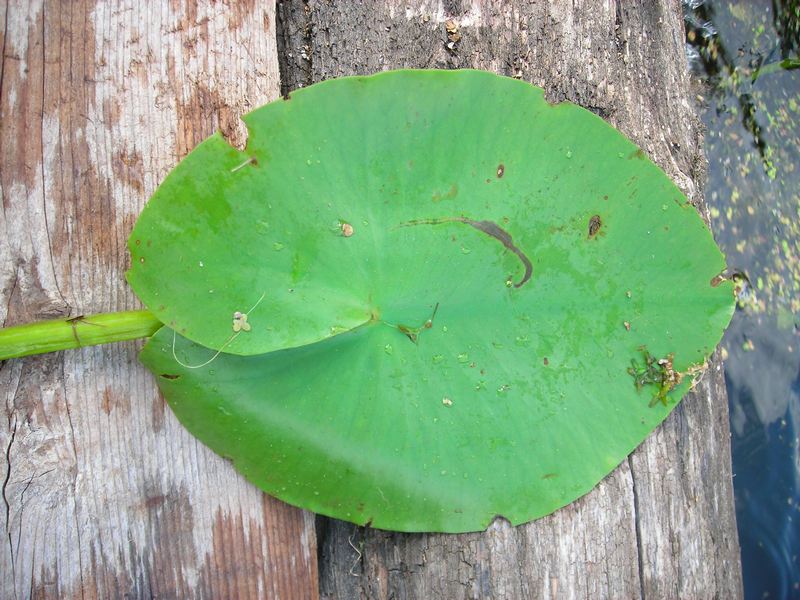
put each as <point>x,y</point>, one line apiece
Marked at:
<point>662,524</point>
<point>105,495</point>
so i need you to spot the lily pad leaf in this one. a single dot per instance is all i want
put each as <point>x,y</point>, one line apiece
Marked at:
<point>415,299</point>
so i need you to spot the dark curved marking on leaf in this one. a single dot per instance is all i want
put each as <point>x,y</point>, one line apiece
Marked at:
<point>169,376</point>
<point>489,228</point>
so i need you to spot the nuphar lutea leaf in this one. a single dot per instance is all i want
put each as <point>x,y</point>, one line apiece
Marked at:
<point>422,299</point>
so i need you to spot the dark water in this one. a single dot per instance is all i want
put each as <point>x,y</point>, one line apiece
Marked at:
<point>745,53</point>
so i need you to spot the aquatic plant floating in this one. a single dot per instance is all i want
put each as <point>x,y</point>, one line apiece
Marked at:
<point>421,299</point>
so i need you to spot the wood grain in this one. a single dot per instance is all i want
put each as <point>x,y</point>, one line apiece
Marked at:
<point>105,494</point>
<point>662,524</point>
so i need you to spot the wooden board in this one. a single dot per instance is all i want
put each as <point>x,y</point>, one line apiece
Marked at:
<point>105,494</point>
<point>662,525</point>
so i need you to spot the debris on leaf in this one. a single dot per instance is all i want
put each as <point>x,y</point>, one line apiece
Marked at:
<point>594,225</point>
<point>412,333</point>
<point>447,402</point>
<point>240,322</point>
<point>655,371</point>
<point>249,161</point>
<point>347,229</point>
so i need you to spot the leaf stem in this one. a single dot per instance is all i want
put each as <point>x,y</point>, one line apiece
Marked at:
<point>76,332</point>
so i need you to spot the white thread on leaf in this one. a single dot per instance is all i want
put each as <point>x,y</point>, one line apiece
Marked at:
<point>239,318</point>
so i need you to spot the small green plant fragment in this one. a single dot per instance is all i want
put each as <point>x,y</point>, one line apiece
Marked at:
<point>655,371</point>
<point>412,333</point>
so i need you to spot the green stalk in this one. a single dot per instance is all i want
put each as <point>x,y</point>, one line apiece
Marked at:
<point>787,64</point>
<point>77,332</point>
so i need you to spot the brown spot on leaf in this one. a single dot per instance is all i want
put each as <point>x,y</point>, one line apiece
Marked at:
<point>501,169</point>
<point>546,361</point>
<point>638,153</point>
<point>549,475</point>
<point>449,194</point>
<point>594,225</point>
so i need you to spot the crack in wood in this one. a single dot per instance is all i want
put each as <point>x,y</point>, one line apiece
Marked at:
<point>5,496</point>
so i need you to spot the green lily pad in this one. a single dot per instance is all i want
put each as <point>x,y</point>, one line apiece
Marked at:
<point>415,298</point>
